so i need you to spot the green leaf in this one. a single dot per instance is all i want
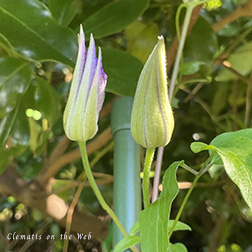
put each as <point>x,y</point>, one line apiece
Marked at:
<point>222,140</point>
<point>6,125</point>
<point>191,67</point>
<point>6,46</point>
<point>63,11</point>
<point>177,247</point>
<point>126,242</point>
<point>35,133</point>
<point>201,43</point>
<point>135,228</point>
<point>197,146</point>
<point>230,30</point>
<point>47,101</point>
<point>114,17</point>
<point>141,39</point>
<point>179,226</point>
<point>29,27</point>
<point>218,103</point>
<point>38,137</point>
<point>15,76</point>
<point>123,71</point>
<point>154,220</point>
<point>20,133</point>
<point>235,151</point>
<point>238,165</point>
<point>239,61</point>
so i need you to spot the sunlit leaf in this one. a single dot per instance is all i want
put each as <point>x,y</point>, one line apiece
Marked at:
<point>154,220</point>
<point>135,228</point>
<point>141,39</point>
<point>179,226</point>
<point>126,242</point>
<point>177,247</point>
<point>235,151</point>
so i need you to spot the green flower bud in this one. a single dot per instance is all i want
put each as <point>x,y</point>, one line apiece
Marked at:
<point>86,94</point>
<point>152,121</point>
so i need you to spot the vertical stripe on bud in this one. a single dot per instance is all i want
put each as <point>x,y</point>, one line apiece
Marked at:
<point>152,121</point>
<point>86,94</point>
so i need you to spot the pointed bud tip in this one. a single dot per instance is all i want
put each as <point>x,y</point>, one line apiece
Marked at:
<point>81,37</point>
<point>81,28</point>
<point>160,41</point>
<point>91,42</point>
<point>91,36</point>
<point>81,34</point>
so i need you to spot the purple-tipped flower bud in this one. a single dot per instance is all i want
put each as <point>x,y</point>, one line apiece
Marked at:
<point>152,121</point>
<point>86,94</point>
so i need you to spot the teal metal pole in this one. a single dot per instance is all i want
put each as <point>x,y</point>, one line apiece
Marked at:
<point>127,184</point>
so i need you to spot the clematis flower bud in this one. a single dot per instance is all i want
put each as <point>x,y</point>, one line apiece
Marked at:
<point>86,94</point>
<point>152,121</point>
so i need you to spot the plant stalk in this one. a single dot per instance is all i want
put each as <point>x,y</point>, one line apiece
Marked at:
<point>146,174</point>
<point>157,173</point>
<point>180,48</point>
<point>185,201</point>
<point>95,188</point>
<point>203,169</point>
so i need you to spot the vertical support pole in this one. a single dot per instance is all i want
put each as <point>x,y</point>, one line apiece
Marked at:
<point>127,184</point>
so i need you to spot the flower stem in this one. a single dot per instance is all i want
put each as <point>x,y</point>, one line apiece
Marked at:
<point>146,173</point>
<point>184,202</point>
<point>157,173</point>
<point>95,188</point>
<point>203,169</point>
<point>188,15</point>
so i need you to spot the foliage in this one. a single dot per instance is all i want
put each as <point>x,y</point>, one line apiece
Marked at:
<point>38,49</point>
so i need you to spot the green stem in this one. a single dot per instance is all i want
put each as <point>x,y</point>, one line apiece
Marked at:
<point>189,9</point>
<point>188,168</point>
<point>203,169</point>
<point>184,202</point>
<point>181,46</point>
<point>95,188</point>
<point>177,24</point>
<point>146,174</point>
